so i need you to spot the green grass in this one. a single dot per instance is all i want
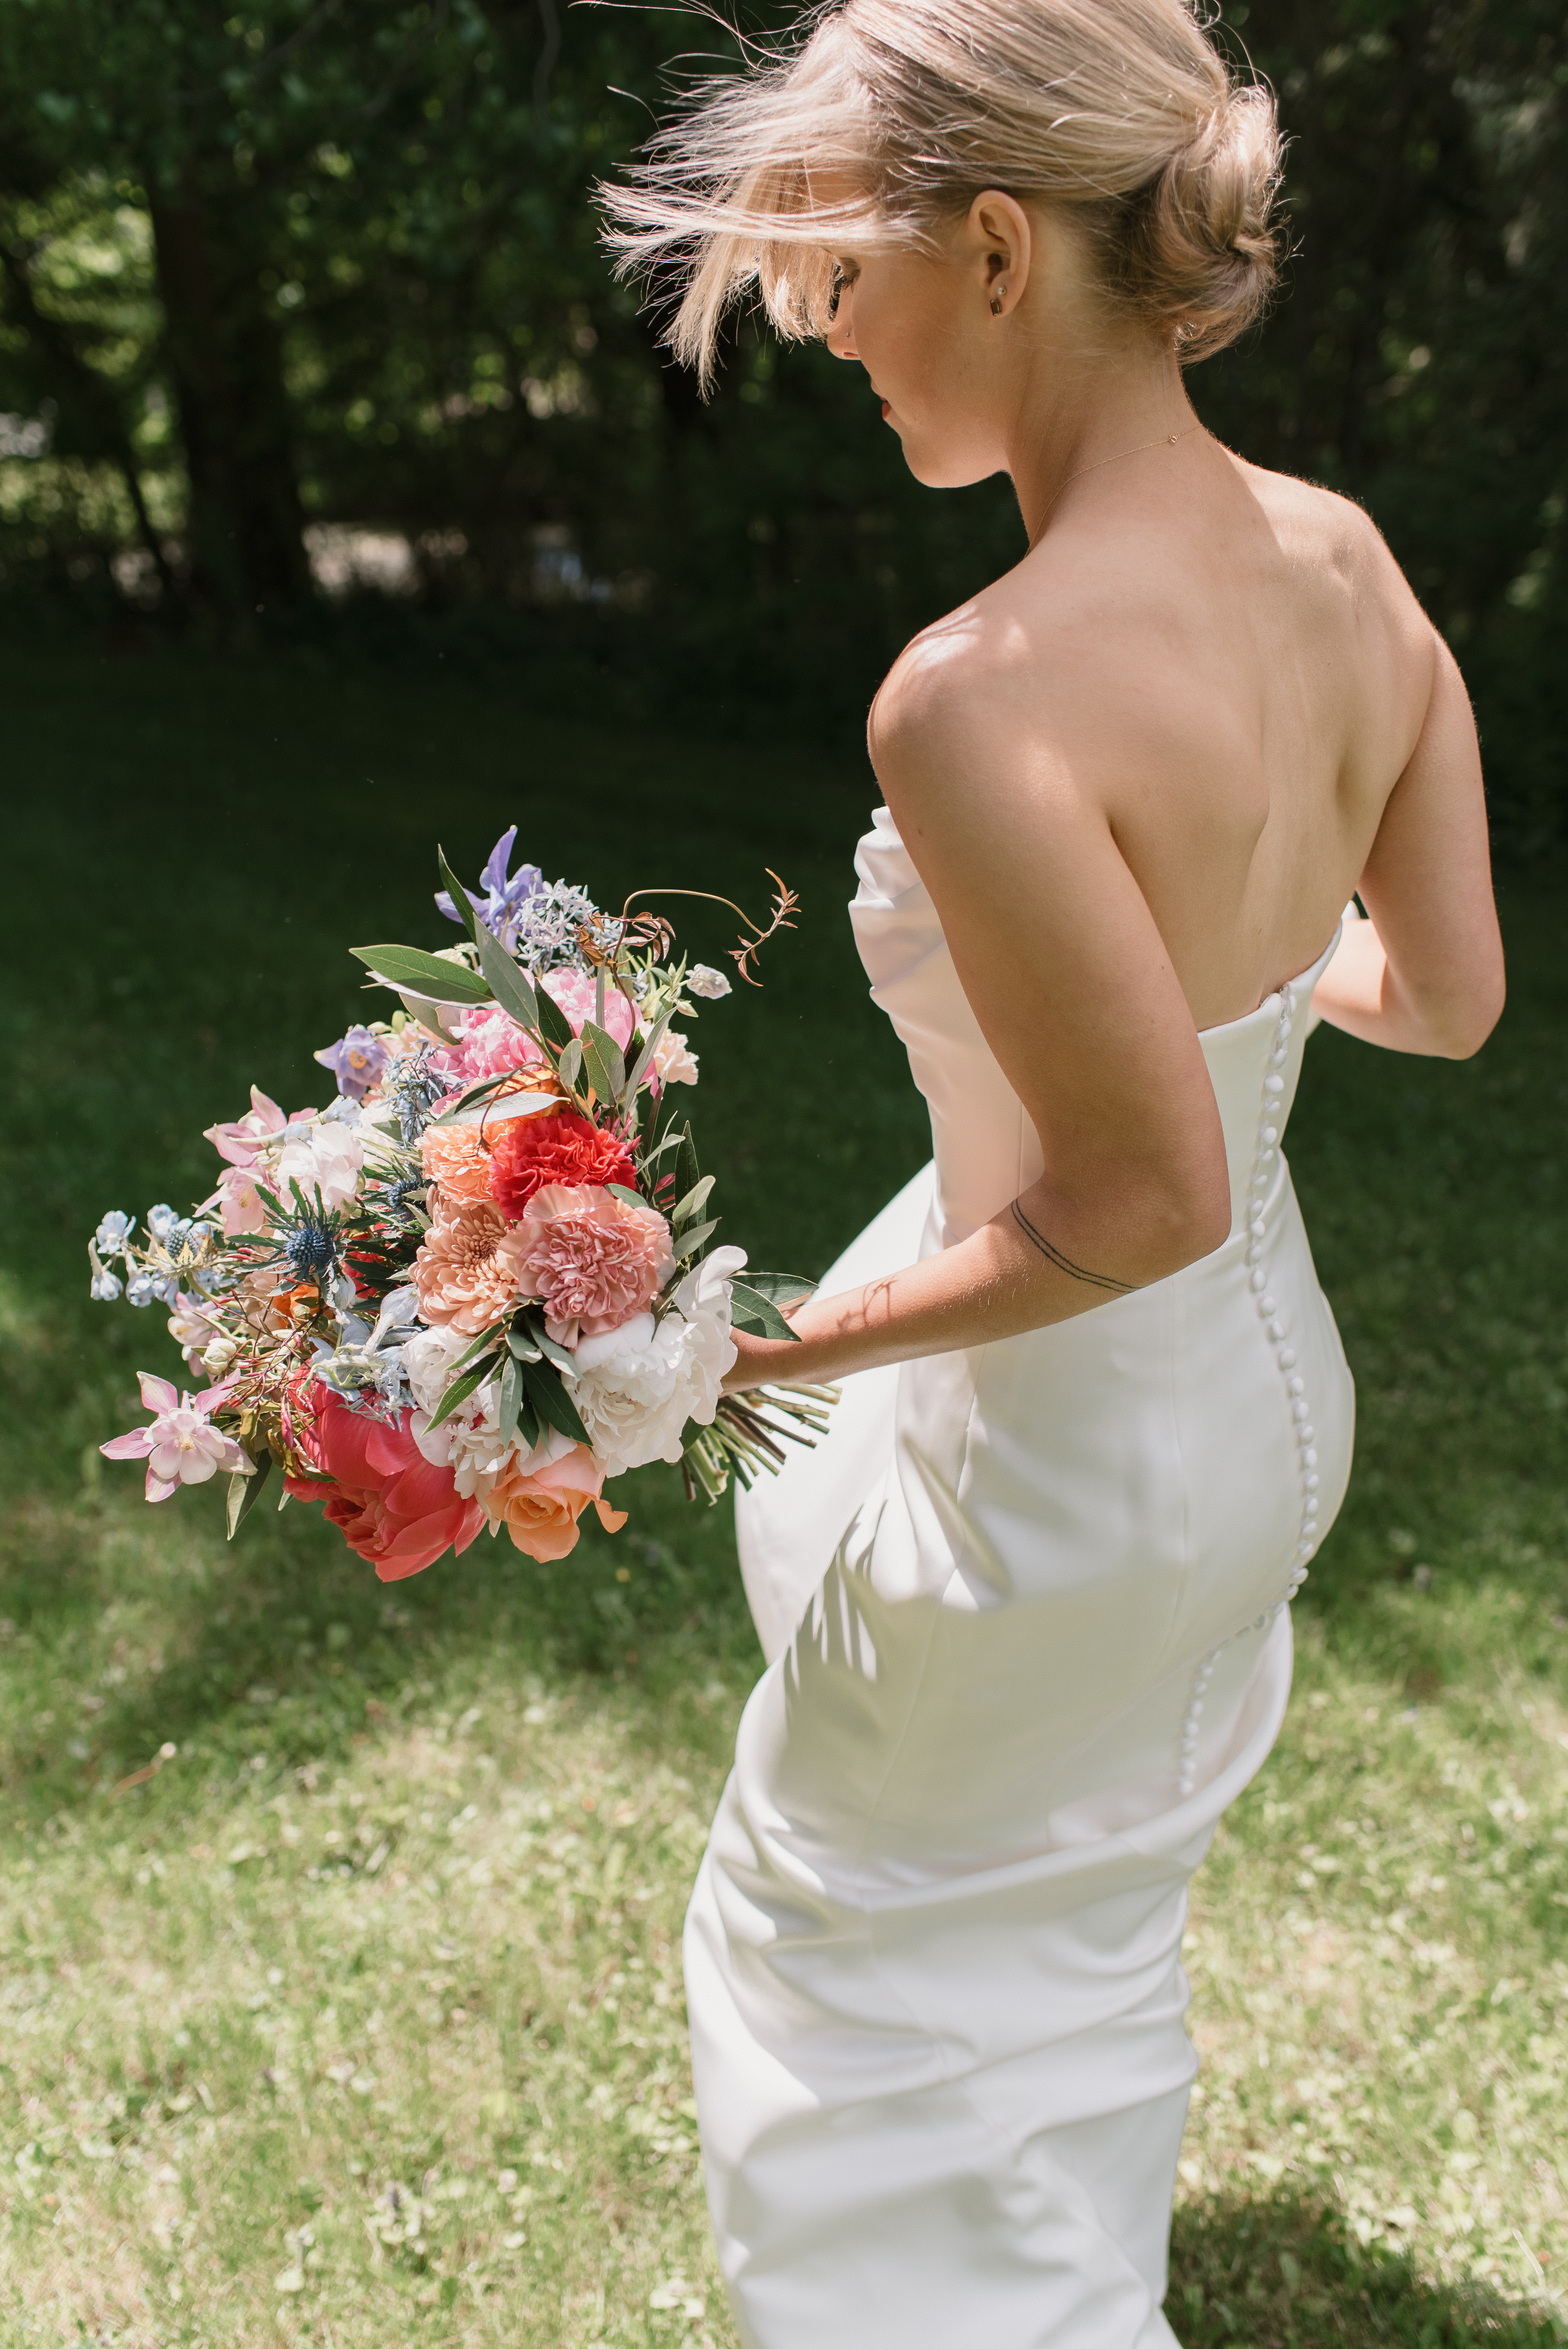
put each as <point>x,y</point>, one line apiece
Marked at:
<point>360,2021</point>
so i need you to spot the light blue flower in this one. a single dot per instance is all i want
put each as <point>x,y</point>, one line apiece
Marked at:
<point>356,1061</point>
<point>116,1229</point>
<point>160,1222</point>
<point>504,894</point>
<point>143,1288</point>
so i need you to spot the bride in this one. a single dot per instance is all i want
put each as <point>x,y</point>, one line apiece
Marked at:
<point>1026,1613</point>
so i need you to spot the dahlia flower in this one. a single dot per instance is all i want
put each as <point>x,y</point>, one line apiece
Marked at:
<point>470,1269</point>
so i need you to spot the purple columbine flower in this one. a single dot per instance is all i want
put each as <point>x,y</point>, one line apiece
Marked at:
<point>356,1061</point>
<point>504,895</point>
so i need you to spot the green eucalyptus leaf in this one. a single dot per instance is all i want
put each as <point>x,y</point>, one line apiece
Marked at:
<point>562,1356</point>
<point>755,1314</point>
<point>510,988</point>
<point>688,1243</point>
<point>423,974</point>
<point>694,1203</point>
<point>779,1288</point>
<point>244,1491</point>
<point>528,1428</point>
<point>619,1191</point>
<point>570,1066</point>
<point>553,1024</point>
<point>511,1398</point>
<point>459,1390</point>
<point>643,1061</point>
<point>688,1173</point>
<point>551,1402</point>
<point>521,1344</point>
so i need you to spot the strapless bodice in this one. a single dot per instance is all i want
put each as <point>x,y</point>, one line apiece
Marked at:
<point>985,1148</point>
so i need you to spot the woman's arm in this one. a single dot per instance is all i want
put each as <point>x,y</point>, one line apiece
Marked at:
<point>1425,973</point>
<point>1068,978</point>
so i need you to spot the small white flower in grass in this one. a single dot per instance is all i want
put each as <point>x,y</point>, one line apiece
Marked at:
<point>704,980</point>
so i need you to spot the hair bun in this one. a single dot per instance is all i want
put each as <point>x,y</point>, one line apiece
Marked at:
<point>1198,253</point>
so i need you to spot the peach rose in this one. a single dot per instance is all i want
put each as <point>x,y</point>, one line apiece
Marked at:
<point>470,1269</point>
<point>593,1259</point>
<point>540,1506</point>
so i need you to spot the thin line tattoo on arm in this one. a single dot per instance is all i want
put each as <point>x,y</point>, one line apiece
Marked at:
<point>1065,1264</point>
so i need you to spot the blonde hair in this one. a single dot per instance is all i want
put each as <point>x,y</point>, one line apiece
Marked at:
<point>1119,111</point>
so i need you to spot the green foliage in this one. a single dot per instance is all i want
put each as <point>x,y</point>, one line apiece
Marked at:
<point>340,265</point>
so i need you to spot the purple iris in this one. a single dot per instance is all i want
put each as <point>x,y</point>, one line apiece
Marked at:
<point>356,1061</point>
<point>504,895</point>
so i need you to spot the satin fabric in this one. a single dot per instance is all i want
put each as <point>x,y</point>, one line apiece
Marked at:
<point>1024,1622</point>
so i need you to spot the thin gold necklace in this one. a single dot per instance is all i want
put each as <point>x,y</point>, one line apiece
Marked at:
<point>1166,440</point>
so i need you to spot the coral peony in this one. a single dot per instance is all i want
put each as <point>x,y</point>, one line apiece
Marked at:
<point>470,1269</point>
<point>527,1153</point>
<point>593,1259</point>
<point>394,1507</point>
<point>538,1503</point>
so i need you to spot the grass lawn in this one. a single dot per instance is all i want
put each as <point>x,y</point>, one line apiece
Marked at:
<point>359,2019</point>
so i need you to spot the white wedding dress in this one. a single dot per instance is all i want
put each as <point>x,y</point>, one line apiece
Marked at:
<point>1025,1619</point>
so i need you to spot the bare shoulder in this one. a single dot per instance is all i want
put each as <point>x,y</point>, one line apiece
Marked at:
<point>1332,541</point>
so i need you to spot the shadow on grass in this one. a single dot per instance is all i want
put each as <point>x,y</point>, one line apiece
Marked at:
<point>1287,2273</point>
<point>127,1630</point>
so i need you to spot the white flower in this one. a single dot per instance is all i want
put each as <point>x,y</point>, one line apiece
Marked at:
<point>469,1442</point>
<point>673,1062</point>
<point>702,979</point>
<point>160,1222</point>
<point>113,1232</point>
<point>106,1288</point>
<point>324,1156</point>
<point>636,1388</point>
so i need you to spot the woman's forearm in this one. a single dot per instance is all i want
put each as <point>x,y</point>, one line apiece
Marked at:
<point>1036,1262</point>
<point>1362,992</point>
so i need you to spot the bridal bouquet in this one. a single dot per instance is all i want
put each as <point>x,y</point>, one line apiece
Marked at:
<point>481,1281</point>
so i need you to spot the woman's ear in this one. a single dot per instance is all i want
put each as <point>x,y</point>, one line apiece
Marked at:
<point>999,244</point>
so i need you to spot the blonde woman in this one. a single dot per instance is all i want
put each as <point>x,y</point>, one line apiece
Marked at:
<point>1026,1614</point>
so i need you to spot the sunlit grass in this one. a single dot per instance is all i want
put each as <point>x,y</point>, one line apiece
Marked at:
<point>359,2019</point>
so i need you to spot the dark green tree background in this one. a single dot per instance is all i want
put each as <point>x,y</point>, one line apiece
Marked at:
<point>328,271</point>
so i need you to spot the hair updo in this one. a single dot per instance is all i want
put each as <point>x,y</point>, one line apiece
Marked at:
<point>1121,111</point>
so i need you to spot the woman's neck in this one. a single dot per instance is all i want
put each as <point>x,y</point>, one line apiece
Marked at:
<point>1128,401</point>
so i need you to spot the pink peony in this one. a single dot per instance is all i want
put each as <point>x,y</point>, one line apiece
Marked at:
<point>594,1259</point>
<point>181,1446</point>
<point>393,1507</point>
<point>540,1506</point>
<point>470,1269</point>
<point>576,994</point>
<point>492,1044</point>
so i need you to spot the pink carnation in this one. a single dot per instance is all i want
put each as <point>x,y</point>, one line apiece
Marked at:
<point>594,1259</point>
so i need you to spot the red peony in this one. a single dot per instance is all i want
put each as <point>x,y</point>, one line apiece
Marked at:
<point>394,1507</point>
<point>527,1153</point>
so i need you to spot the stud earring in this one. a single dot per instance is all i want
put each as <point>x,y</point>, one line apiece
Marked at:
<point>996,305</point>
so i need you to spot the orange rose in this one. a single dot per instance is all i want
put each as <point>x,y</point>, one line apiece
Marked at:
<point>540,1507</point>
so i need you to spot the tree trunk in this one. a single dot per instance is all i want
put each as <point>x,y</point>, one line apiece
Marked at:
<point>226,366</point>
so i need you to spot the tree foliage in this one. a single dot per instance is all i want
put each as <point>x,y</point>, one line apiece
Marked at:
<point>334,264</point>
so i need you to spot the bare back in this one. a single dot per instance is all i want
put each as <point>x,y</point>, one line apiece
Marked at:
<point>1231,666</point>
